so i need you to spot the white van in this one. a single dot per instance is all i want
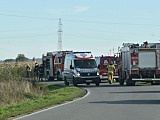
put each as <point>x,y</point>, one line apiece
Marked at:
<point>80,68</point>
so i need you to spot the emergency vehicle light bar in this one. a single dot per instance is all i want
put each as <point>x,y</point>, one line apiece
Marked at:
<point>80,52</point>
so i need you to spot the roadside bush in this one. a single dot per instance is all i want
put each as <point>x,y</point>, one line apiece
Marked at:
<point>13,92</point>
<point>14,87</point>
<point>14,70</point>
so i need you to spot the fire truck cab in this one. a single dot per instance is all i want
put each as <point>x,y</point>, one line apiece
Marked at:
<point>53,64</point>
<point>103,61</point>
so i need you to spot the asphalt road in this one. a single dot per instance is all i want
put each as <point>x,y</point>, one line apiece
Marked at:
<point>107,102</point>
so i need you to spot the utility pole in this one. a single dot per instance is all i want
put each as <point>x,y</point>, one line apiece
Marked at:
<point>59,47</point>
<point>110,51</point>
<point>113,51</point>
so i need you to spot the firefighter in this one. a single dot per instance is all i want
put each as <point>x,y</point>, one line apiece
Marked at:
<point>111,70</point>
<point>145,44</point>
<point>28,71</point>
<point>41,72</point>
<point>36,70</point>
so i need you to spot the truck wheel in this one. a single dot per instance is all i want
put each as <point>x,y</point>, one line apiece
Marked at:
<point>130,83</point>
<point>58,76</point>
<point>74,82</point>
<point>153,83</point>
<point>65,82</point>
<point>87,83</point>
<point>51,79</point>
<point>97,84</point>
<point>121,81</point>
<point>117,80</point>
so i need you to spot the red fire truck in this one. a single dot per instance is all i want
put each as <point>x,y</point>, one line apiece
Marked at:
<point>103,61</point>
<point>53,63</point>
<point>140,63</point>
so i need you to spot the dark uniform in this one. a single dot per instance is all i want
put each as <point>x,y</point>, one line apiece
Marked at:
<point>41,72</point>
<point>36,70</point>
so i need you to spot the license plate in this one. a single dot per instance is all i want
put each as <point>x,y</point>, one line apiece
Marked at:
<point>88,80</point>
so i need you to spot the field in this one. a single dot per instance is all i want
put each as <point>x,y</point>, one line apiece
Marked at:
<point>14,85</point>
<point>21,95</point>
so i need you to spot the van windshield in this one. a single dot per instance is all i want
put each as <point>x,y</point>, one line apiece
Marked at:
<point>105,62</point>
<point>85,63</point>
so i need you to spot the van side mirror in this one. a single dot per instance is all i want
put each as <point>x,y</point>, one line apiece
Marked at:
<point>71,67</point>
<point>98,66</point>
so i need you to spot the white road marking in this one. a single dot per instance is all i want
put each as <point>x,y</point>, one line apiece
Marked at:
<point>88,92</point>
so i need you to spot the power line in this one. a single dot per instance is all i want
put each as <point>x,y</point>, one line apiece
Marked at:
<point>84,21</point>
<point>26,36</point>
<point>99,37</point>
<point>136,24</point>
<point>27,16</point>
<point>73,15</point>
<point>15,30</point>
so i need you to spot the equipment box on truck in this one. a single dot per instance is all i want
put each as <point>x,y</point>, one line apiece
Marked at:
<point>80,68</point>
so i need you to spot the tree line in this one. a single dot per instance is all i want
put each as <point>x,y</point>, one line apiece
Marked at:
<point>19,58</point>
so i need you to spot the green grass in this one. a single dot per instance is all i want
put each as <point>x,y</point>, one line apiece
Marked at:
<point>56,95</point>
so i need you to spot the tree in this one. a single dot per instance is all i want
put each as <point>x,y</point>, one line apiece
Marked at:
<point>21,58</point>
<point>9,60</point>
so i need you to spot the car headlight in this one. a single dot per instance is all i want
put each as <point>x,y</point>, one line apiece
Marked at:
<point>78,74</point>
<point>97,73</point>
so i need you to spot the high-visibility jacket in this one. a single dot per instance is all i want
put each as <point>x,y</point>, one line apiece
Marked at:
<point>28,68</point>
<point>111,68</point>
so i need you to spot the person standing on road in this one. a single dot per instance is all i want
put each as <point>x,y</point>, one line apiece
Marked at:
<point>111,70</point>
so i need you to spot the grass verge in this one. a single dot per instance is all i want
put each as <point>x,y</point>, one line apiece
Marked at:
<point>56,95</point>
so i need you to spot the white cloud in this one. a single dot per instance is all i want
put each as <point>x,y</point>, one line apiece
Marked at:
<point>80,9</point>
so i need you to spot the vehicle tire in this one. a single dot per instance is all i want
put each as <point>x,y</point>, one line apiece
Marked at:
<point>121,81</point>
<point>58,76</point>
<point>74,82</point>
<point>87,83</point>
<point>153,83</point>
<point>117,80</point>
<point>65,82</point>
<point>97,84</point>
<point>51,79</point>
<point>129,82</point>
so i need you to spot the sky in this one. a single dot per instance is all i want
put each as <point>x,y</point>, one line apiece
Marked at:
<point>30,27</point>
